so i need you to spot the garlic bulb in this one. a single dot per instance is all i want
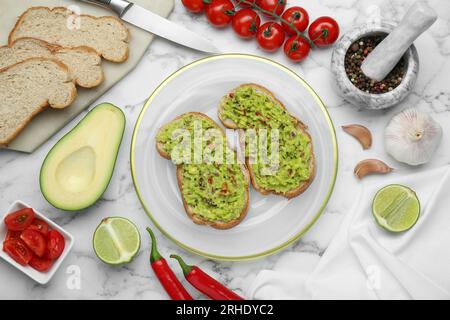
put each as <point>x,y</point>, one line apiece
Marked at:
<point>412,137</point>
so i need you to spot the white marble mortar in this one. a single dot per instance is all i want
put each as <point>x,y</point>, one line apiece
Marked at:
<point>358,97</point>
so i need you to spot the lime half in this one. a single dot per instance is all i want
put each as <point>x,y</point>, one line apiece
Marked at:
<point>116,240</point>
<point>396,208</point>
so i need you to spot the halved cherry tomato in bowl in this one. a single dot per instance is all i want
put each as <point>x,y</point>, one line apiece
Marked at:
<point>246,23</point>
<point>55,245</point>
<point>40,264</point>
<point>19,220</point>
<point>270,36</point>
<point>35,241</point>
<point>12,235</point>
<point>298,17</point>
<point>17,250</point>
<point>39,225</point>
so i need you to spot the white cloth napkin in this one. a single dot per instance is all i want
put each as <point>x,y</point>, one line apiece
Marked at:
<point>365,262</point>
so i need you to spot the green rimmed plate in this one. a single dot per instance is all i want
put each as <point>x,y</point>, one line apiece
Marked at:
<point>272,222</point>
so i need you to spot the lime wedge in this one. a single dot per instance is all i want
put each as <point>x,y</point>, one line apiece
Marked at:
<point>116,240</point>
<point>396,208</point>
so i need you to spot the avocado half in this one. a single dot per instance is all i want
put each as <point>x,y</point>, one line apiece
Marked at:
<point>77,170</point>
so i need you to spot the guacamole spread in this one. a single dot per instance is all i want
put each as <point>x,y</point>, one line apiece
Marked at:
<point>213,188</point>
<point>250,109</point>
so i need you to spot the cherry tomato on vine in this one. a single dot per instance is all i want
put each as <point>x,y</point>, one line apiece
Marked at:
<point>194,6</point>
<point>270,36</point>
<point>274,6</point>
<point>298,17</point>
<point>219,12</point>
<point>323,31</point>
<point>245,3</point>
<point>296,48</point>
<point>246,23</point>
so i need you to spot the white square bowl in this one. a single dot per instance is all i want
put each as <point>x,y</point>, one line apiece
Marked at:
<point>40,277</point>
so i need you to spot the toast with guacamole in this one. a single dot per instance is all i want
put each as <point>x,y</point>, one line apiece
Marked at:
<point>214,186</point>
<point>251,106</point>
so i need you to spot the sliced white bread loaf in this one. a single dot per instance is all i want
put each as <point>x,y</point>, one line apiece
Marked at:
<point>107,35</point>
<point>83,62</point>
<point>27,88</point>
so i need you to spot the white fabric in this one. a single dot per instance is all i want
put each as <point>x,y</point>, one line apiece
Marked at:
<point>364,261</point>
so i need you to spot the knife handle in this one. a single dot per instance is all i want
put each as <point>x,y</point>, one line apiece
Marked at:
<point>118,6</point>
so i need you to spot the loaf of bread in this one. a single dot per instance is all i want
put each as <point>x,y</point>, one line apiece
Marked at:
<point>27,88</point>
<point>107,35</point>
<point>83,62</point>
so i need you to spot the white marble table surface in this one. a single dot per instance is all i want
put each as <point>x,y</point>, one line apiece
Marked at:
<point>19,172</point>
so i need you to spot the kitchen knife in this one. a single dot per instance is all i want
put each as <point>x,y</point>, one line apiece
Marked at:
<point>149,21</point>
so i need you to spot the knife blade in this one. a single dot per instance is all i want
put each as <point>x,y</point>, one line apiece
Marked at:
<point>151,22</point>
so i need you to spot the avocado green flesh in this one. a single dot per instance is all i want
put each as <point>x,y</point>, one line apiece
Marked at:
<point>78,168</point>
<point>171,136</point>
<point>250,109</point>
<point>215,191</point>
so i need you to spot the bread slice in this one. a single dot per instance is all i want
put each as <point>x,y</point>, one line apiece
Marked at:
<point>83,62</point>
<point>190,211</point>
<point>301,127</point>
<point>107,35</point>
<point>27,88</point>
<point>217,224</point>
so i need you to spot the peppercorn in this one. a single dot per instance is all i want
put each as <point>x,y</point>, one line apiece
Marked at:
<point>354,58</point>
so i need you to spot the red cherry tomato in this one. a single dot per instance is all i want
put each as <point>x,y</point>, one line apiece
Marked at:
<point>246,4</point>
<point>246,23</point>
<point>274,6</point>
<point>270,36</point>
<point>194,6</point>
<point>55,245</point>
<point>35,241</point>
<point>41,264</point>
<point>323,31</point>
<point>19,220</point>
<point>12,235</point>
<point>219,12</point>
<point>17,250</point>
<point>39,225</point>
<point>298,17</point>
<point>297,48</point>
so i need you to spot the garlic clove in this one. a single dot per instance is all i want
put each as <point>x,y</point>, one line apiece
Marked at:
<point>371,166</point>
<point>412,137</point>
<point>361,133</point>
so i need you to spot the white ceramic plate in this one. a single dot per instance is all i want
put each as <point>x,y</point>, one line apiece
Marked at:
<point>272,222</point>
<point>40,277</point>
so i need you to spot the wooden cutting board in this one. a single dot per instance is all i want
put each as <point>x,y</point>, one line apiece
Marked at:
<point>50,121</point>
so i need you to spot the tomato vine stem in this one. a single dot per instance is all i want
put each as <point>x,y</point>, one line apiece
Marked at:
<point>255,7</point>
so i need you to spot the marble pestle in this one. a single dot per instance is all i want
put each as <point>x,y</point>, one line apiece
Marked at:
<point>385,56</point>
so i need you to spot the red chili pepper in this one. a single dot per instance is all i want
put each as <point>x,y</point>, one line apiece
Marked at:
<point>205,283</point>
<point>169,281</point>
